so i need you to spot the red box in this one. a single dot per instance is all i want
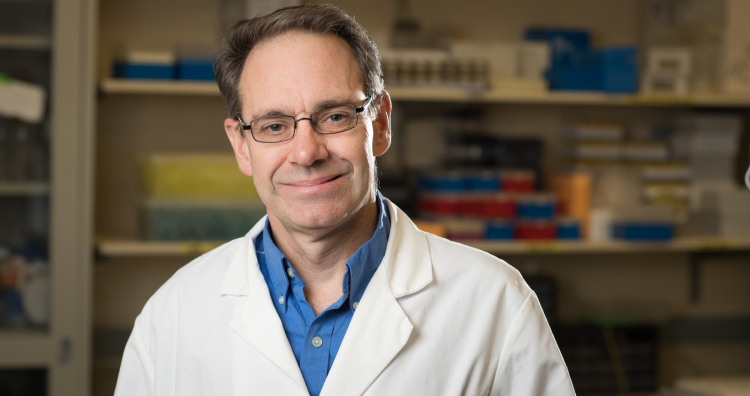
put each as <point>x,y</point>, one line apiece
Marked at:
<point>500,207</point>
<point>536,230</point>
<point>517,181</point>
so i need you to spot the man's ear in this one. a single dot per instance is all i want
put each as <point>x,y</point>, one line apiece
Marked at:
<point>381,130</point>
<point>240,146</point>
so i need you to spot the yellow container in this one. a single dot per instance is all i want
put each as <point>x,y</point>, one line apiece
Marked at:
<point>195,176</point>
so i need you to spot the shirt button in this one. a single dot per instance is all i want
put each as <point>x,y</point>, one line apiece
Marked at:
<point>281,299</point>
<point>317,342</point>
<point>355,304</point>
<point>289,272</point>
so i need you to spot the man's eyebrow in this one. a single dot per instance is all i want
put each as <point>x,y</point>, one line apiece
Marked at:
<point>274,112</point>
<point>333,103</point>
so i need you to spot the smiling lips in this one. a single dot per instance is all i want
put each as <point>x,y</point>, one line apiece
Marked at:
<point>314,184</point>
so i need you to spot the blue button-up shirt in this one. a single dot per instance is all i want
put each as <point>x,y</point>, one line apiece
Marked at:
<point>316,340</point>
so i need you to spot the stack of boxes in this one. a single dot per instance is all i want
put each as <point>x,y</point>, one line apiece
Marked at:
<point>197,197</point>
<point>667,71</point>
<point>493,205</point>
<point>434,68</point>
<point>710,142</point>
<point>638,187</point>
<point>577,66</point>
<point>163,65</point>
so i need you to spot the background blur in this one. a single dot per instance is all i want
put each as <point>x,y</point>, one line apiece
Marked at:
<point>598,146</point>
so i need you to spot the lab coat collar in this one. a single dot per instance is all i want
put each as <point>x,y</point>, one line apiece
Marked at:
<point>379,328</point>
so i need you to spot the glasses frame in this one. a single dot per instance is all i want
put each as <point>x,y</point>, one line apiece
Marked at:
<point>357,110</point>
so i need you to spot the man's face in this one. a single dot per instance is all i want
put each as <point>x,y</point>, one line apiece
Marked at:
<point>313,180</point>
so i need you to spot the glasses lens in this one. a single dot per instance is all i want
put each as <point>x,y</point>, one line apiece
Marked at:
<point>335,119</point>
<point>272,129</point>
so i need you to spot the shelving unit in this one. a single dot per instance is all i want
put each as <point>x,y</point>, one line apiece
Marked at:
<point>650,280</point>
<point>60,347</point>
<point>24,188</point>
<point>440,94</point>
<point>137,248</point>
<point>25,42</point>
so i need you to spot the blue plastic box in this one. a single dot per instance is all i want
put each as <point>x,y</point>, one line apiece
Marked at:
<point>620,69</point>
<point>643,231</point>
<point>568,229</point>
<point>444,182</point>
<point>536,208</point>
<point>499,230</point>
<point>485,182</point>
<point>144,71</point>
<point>612,70</point>
<point>201,69</point>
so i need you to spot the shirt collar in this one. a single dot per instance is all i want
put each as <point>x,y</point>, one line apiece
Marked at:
<point>359,268</point>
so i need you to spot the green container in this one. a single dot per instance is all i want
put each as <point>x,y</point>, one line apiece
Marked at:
<point>199,220</point>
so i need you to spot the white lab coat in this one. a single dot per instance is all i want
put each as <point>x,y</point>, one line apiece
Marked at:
<point>437,318</point>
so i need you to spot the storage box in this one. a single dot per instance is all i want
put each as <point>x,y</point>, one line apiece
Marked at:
<point>568,228</point>
<point>675,61</point>
<point>195,176</point>
<point>200,69</point>
<point>620,69</point>
<point>643,231</point>
<point>499,230</point>
<point>144,71</point>
<point>536,206</point>
<point>664,84</point>
<point>145,65</point>
<point>535,230</point>
<point>190,220</point>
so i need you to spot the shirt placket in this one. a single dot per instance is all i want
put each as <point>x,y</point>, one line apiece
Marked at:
<point>317,348</point>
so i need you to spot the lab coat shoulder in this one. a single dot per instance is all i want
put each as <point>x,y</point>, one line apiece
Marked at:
<point>482,323</point>
<point>195,284</point>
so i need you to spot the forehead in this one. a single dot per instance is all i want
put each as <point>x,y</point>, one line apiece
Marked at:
<point>296,71</point>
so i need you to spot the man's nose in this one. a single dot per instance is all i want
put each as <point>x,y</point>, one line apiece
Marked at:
<point>308,146</point>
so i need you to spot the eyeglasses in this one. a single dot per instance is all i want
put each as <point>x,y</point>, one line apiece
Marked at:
<point>277,129</point>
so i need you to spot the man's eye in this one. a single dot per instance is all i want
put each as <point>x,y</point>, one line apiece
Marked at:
<point>337,118</point>
<point>274,129</point>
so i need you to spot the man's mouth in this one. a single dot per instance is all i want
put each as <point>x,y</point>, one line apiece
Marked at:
<point>314,182</point>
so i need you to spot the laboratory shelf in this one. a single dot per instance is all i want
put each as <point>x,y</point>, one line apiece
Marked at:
<point>159,87</point>
<point>134,248</point>
<point>459,95</point>
<point>24,348</point>
<point>684,245</point>
<point>23,188</point>
<point>25,42</point>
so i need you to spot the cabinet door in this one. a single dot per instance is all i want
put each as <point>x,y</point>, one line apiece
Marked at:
<point>46,48</point>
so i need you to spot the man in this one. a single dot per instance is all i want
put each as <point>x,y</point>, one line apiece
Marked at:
<point>336,292</point>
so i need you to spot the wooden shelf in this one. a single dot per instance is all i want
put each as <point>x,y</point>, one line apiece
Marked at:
<point>159,87</point>
<point>23,188</point>
<point>25,42</point>
<point>439,94</point>
<point>684,245</point>
<point>135,248</point>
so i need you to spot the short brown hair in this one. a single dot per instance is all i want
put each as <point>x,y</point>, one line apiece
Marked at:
<point>245,34</point>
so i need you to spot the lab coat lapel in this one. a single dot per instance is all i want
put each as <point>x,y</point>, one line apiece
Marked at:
<point>256,320</point>
<point>379,328</point>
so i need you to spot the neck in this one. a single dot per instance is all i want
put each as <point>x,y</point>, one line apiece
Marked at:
<point>319,255</point>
